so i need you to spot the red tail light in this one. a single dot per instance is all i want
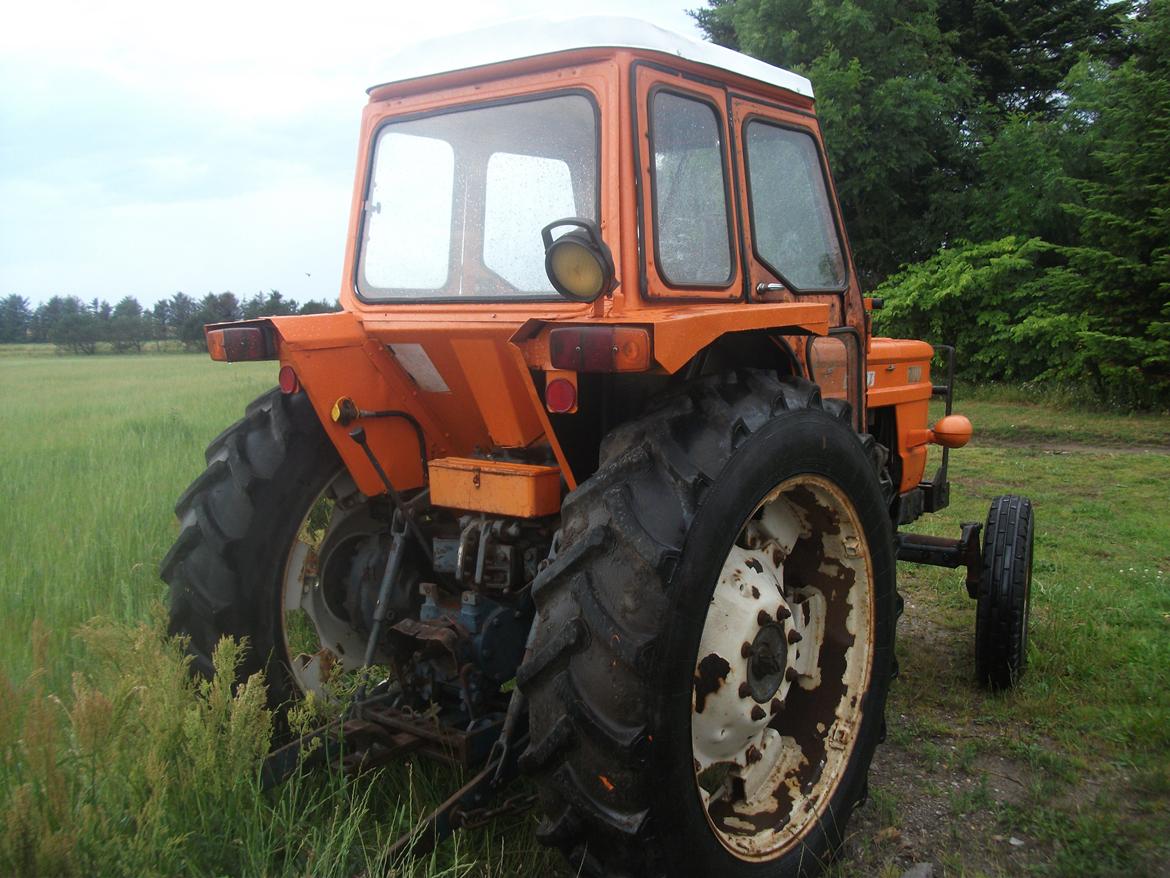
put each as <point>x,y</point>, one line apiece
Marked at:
<point>235,344</point>
<point>599,348</point>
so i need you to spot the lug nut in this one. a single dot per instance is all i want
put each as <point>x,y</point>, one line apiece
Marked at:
<point>762,618</point>
<point>744,690</point>
<point>746,650</point>
<point>783,613</point>
<point>794,637</point>
<point>791,674</point>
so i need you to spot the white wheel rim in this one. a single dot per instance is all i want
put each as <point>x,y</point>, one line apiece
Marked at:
<point>766,770</point>
<point>319,643</point>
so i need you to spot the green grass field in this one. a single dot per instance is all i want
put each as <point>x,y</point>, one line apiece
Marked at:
<point>111,763</point>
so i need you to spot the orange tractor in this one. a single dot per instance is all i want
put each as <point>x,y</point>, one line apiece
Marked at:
<point>598,475</point>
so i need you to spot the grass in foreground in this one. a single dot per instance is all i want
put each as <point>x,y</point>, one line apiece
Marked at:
<point>113,764</point>
<point>97,452</point>
<point>140,771</point>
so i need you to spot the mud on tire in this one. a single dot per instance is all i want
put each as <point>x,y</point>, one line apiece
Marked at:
<point>622,610</point>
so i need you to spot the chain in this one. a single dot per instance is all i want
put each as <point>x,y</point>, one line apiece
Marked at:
<point>474,818</point>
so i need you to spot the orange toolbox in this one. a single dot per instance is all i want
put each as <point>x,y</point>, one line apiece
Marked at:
<point>500,487</point>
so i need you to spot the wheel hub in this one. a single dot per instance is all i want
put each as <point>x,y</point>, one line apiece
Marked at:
<point>751,653</point>
<point>767,660</point>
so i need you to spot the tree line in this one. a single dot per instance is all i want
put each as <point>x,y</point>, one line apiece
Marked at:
<point>1003,167</point>
<point>78,327</point>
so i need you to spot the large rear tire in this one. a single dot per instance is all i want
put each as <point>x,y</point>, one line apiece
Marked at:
<point>250,561</point>
<point>714,639</point>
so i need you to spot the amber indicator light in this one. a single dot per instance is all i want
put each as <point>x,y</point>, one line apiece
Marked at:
<point>236,344</point>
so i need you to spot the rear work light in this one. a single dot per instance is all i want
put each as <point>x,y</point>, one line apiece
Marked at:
<point>236,344</point>
<point>599,349</point>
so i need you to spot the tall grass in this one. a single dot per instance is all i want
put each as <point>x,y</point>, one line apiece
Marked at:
<point>95,451</point>
<point>112,761</point>
<point>141,771</point>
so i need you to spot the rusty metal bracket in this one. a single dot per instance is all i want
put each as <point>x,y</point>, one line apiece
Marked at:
<point>936,492</point>
<point>375,733</point>
<point>467,808</point>
<point>946,552</point>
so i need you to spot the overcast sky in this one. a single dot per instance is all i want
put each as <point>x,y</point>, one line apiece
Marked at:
<point>148,148</point>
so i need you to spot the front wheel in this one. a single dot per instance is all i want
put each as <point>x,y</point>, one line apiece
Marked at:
<point>1001,614</point>
<point>714,638</point>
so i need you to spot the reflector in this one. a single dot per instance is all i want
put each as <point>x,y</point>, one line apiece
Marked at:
<point>289,383</point>
<point>560,396</point>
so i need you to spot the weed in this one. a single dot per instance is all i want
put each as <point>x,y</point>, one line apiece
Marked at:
<point>885,806</point>
<point>975,798</point>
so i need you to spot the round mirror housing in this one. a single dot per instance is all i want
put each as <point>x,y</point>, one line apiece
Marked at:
<point>578,263</point>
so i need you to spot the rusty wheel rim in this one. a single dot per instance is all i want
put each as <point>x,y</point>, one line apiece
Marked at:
<point>784,661</point>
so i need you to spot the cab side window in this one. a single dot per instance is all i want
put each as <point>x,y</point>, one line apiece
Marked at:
<point>792,222</point>
<point>691,231</point>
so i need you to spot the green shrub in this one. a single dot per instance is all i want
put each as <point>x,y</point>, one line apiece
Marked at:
<point>1027,310</point>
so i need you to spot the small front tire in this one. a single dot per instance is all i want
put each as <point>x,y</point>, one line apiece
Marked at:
<point>1001,619</point>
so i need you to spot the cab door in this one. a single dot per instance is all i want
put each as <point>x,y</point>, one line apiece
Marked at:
<point>686,196</point>
<point>794,243</point>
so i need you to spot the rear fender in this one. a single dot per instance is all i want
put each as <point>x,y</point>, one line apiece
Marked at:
<point>468,391</point>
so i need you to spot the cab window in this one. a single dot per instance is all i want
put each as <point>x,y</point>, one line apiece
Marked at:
<point>793,231</point>
<point>691,225</point>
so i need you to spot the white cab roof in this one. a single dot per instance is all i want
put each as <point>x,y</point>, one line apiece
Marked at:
<point>530,38</point>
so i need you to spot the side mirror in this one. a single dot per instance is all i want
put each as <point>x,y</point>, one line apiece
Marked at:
<point>578,263</point>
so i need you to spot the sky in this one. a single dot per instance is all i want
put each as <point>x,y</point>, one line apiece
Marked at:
<point>148,148</point>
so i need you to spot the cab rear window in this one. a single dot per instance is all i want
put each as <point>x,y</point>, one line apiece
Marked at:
<point>456,200</point>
